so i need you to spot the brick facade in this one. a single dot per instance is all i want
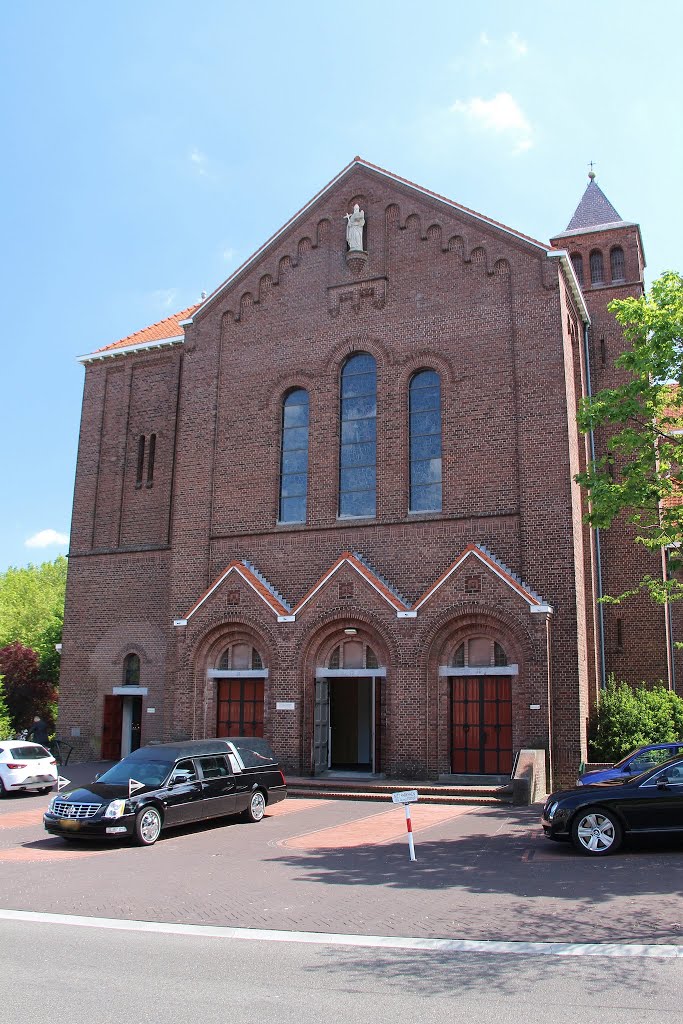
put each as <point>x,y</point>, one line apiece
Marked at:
<point>502,323</point>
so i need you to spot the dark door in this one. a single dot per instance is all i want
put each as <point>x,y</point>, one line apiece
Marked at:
<point>481,725</point>
<point>240,707</point>
<point>135,722</point>
<point>112,721</point>
<point>650,807</point>
<point>218,786</point>
<point>183,800</point>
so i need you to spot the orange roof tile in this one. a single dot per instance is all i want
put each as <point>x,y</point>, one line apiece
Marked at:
<point>168,328</point>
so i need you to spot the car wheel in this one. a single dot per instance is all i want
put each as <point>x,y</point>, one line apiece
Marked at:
<point>147,826</point>
<point>596,832</point>
<point>45,789</point>
<point>257,806</point>
<point>3,791</point>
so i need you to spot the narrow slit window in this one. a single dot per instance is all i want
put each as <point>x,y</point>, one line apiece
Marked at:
<point>294,457</point>
<point>597,269</point>
<point>617,265</point>
<point>425,442</point>
<point>150,459</point>
<point>577,263</point>
<point>141,461</point>
<point>358,443</point>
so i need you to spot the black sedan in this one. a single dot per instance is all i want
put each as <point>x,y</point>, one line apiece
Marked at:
<point>170,784</point>
<point>597,817</point>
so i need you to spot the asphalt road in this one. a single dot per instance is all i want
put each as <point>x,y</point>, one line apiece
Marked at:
<point>84,975</point>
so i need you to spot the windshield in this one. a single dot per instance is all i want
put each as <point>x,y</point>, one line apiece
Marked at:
<point>149,772</point>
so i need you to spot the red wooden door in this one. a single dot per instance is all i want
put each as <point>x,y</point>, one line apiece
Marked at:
<point>481,725</point>
<point>240,707</point>
<point>111,728</point>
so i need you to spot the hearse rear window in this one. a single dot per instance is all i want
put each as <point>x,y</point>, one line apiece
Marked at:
<point>254,752</point>
<point>29,753</point>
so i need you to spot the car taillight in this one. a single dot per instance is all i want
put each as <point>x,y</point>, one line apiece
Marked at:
<point>14,764</point>
<point>282,776</point>
<point>53,762</point>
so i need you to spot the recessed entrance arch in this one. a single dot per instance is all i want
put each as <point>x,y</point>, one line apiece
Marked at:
<point>240,683</point>
<point>348,701</point>
<point>480,708</point>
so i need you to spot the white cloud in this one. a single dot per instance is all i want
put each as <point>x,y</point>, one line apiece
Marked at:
<point>516,45</point>
<point>199,161</point>
<point>501,115</point>
<point>229,254</point>
<point>46,539</point>
<point>164,298</point>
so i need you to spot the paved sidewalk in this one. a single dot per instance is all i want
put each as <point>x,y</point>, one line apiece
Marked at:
<point>342,866</point>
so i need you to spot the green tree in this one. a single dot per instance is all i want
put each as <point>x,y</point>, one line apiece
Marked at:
<point>641,474</point>
<point>6,731</point>
<point>32,610</point>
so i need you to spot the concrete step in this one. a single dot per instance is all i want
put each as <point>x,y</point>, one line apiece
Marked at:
<point>486,795</point>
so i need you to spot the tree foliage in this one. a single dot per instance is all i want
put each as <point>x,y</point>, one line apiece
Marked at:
<point>32,610</point>
<point>6,730</point>
<point>27,692</point>
<point>626,718</point>
<point>641,474</point>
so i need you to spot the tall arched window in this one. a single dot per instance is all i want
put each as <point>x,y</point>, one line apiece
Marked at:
<point>358,448</point>
<point>597,271</point>
<point>577,263</point>
<point>425,442</point>
<point>131,670</point>
<point>617,265</point>
<point>294,457</point>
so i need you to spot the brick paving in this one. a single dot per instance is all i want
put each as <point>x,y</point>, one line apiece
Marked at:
<point>342,866</point>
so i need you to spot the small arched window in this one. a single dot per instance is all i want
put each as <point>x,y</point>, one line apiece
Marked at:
<point>294,457</point>
<point>597,269</point>
<point>131,670</point>
<point>353,654</point>
<point>617,264</point>
<point>240,656</point>
<point>480,652</point>
<point>425,442</point>
<point>358,447</point>
<point>577,263</point>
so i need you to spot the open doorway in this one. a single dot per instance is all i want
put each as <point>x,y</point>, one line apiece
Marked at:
<point>351,724</point>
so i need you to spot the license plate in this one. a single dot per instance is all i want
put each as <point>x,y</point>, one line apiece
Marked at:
<point>69,823</point>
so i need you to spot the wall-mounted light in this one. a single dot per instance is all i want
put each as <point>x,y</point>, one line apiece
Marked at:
<point>350,631</point>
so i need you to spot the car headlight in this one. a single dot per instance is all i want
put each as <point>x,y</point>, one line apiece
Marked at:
<point>51,805</point>
<point>115,809</point>
<point>551,810</point>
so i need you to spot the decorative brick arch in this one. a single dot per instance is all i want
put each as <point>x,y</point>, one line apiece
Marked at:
<point>320,638</point>
<point>204,653</point>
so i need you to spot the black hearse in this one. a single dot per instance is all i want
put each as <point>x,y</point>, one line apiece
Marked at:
<point>169,784</point>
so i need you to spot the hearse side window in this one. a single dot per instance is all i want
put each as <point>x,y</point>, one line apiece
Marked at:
<point>214,767</point>
<point>184,772</point>
<point>254,754</point>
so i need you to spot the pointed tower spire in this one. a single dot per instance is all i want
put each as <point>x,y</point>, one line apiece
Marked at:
<point>595,209</point>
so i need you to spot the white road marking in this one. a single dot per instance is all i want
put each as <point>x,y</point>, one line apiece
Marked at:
<point>606,949</point>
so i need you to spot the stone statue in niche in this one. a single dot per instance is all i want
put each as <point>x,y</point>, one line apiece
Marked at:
<point>354,229</point>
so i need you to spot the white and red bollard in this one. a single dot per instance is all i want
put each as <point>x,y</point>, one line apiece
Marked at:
<point>407,797</point>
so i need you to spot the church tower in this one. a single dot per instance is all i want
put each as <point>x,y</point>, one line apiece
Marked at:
<point>608,258</point>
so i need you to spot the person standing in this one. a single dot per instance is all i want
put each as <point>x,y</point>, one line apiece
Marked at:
<point>38,731</point>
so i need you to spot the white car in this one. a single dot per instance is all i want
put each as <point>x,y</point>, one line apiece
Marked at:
<point>26,766</point>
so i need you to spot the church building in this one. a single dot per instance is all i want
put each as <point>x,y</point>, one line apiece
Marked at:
<point>334,502</point>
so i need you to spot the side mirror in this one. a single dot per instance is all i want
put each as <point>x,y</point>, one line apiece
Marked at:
<point>663,783</point>
<point>97,776</point>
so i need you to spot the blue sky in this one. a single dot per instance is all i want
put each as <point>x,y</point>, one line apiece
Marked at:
<point>150,147</point>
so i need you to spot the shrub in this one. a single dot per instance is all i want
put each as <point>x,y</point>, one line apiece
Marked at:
<point>26,693</point>
<point>626,718</point>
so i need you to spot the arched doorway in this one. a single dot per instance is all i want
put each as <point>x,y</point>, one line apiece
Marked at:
<point>480,707</point>
<point>240,681</point>
<point>348,701</point>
